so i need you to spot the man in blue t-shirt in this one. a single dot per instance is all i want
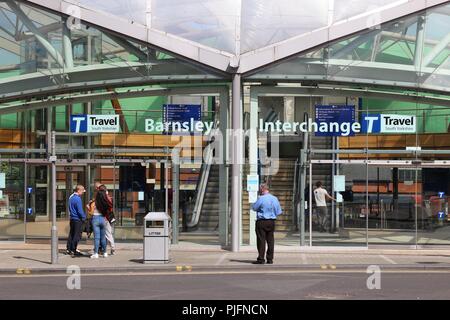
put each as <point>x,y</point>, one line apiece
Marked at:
<point>77,217</point>
<point>267,209</point>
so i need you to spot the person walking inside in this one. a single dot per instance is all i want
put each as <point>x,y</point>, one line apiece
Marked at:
<point>320,195</point>
<point>110,220</point>
<point>77,218</point>
<point>267,209</point>
<point>101,209</point>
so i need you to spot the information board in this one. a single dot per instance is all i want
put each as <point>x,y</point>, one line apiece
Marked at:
<point>180,113</point>
<point>341,114</point>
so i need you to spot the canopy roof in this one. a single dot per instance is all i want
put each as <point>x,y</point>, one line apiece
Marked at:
<point>237,34</point>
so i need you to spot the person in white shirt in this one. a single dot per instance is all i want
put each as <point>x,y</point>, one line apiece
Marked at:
<point>321,195</point>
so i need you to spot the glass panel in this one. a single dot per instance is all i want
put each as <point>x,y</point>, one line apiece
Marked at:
<point>209,22</point>
<point>132,10</point>
<point>132,195</point>
<point>30,42</point>
<point>392,203</point>
<point>436,49</point>
<point>265,22</point>
<point>433,214</point>
<point>342,221</point>
<point>344,9</point>
<point>12,201</point>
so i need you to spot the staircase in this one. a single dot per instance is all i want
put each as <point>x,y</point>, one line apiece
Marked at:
<point>280,185</point>
<point>209,218</point>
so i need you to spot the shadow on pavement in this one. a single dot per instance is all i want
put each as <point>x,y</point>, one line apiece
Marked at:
<point>25,258</point>
<point>140,261</point>
<point>242,261</point>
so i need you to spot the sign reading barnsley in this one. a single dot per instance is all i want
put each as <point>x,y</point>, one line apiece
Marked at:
<point>388,123</point>
<point>94,123</point>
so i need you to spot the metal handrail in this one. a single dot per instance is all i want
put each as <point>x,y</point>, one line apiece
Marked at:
<point>203,183</point>
<point>294,194</point>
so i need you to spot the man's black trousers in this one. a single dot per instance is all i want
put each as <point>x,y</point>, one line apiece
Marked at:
<point>74,235</point>
<point>264,233</point>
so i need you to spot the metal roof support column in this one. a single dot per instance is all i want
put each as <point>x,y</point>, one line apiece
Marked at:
<point>224,220</point>
<point>236,167</point>
<point>67,44</point>
<point>39,37</point>
<point>253,147</point>
<point>418,52</point>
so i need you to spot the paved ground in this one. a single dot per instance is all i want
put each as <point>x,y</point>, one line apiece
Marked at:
<point>198,271</point>
<point>230,286</point>
<point>36,258</point>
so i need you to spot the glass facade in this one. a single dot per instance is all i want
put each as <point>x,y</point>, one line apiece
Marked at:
<point>392,194</point>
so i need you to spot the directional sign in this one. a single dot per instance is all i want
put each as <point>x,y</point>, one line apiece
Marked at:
<point>441,194</point>
<point>181,113</point>
<point>334,114</point>
<point>29,210</point>
<point>441,215</point>
<point>29,190</point>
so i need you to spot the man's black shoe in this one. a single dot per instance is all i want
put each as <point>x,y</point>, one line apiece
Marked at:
<point>269,261</point>
<point>78,253</point>
<point>258,262</point>
<point>68,252</point>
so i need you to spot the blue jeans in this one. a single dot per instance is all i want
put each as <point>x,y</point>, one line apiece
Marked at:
<point>99,224</point>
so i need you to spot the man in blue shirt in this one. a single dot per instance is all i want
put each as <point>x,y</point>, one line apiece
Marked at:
<point>267,209</point>
<point>77,217</point>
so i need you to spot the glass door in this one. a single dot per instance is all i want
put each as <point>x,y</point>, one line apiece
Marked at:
<point>339,204</point>
<point>433,210</point>
<point>394,197</point>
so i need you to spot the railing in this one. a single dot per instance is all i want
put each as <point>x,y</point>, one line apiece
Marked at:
<point>297,196</point>
<point>294,194</point>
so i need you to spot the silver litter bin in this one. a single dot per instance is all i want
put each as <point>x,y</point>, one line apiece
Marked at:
<point>156,237</point>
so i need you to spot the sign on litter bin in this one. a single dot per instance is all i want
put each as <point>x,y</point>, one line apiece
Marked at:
<point>156,237</point>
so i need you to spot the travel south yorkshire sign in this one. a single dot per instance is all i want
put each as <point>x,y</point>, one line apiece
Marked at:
<point>388,123</point>
<point>94,123</point>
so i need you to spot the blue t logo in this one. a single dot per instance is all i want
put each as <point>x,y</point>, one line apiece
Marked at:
<point>78,123</point>
<point>371,123</point>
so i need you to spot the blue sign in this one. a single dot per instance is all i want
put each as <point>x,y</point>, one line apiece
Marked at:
<point>441,194</point>
<point>181,113</point>
<point>371,123</point>
<point>29,210</point>
<point>29,190</point>
<point>335,116</point>
<point>78,123</point>
<point>441,215</point>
